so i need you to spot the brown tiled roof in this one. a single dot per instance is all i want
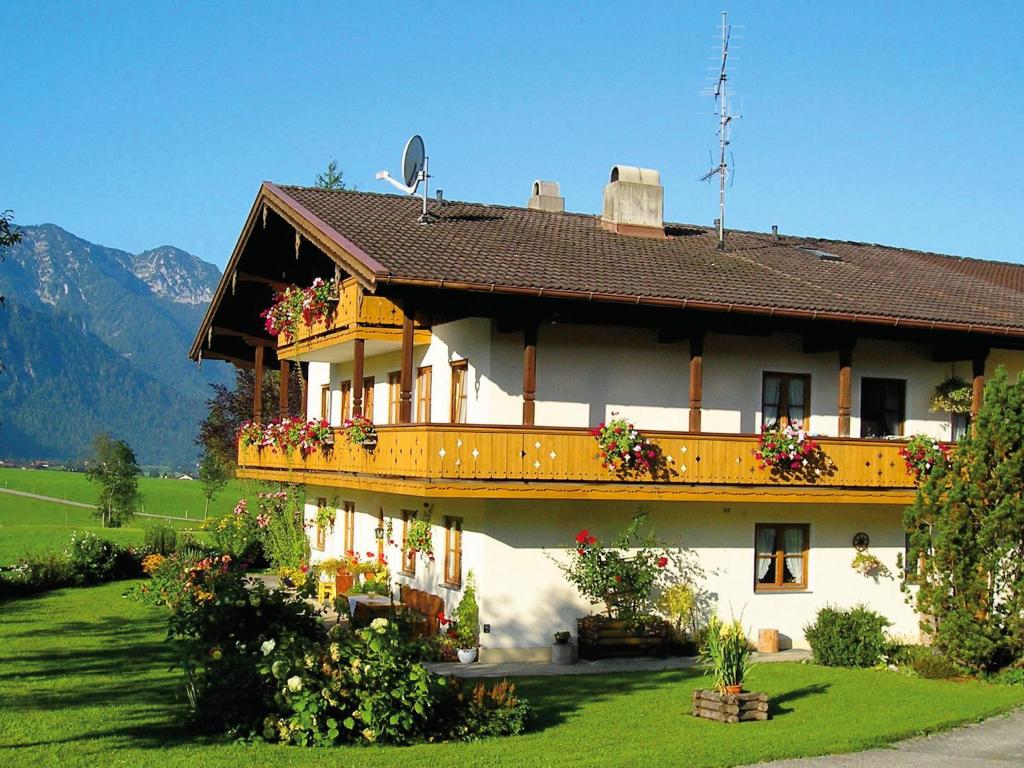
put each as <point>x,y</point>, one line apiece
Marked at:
<point>517,248</point>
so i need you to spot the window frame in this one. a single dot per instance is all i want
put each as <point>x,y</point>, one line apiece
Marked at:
<point>394,395</point>
<point>784,379</point>
<point>779,557</point>
<point>452,551</point>
<point>424,385</point>
<point>408,567</point>
<point>320,542</point>
<point>902,383</point>
<point>346,400</point>
<point>325,402</point>
<point>459,396</point>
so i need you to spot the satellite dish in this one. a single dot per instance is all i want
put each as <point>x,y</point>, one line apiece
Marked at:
<point>413,161</point>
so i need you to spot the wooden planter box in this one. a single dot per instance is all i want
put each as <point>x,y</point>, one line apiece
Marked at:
<point>726,708</point>
<point>601,638</point>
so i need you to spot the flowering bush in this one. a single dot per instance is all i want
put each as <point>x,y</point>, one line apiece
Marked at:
<point>239,534</point>
<point>622,574</point>
<point>623,450</point>
<point>726,652</point>
<point>284,532</point>
<point>360,431</point>
<point>922,453</point>
<point>294,305</point>
<point>288,434</point>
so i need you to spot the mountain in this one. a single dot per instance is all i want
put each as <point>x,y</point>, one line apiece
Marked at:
<point>95,338</point>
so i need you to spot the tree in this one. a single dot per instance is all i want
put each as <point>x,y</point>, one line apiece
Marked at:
<point>966,537</point>
<point>214,474</point>
<point>115,468</point>
<point>332,178</point>
<point>229,407</point>
<point>9,235</point>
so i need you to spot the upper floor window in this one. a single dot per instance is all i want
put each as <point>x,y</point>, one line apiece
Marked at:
<point>394,395</point>
<point>785,399</point>
<point>460,376</point>
<point>780,556</point>
<point>423,384</point>
<point>325,402</point>
<point>346,401</point>
<point>882,407</point>
<point>368,385</point>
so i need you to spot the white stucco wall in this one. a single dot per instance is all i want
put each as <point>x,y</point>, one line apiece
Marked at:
<point>512,546</point>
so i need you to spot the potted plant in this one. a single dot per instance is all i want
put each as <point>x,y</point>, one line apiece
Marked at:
<point>419,539</point>
<point>467,623</point>
<point>562,650</point>
<point>726,654</point>
<point>954,395</point>
<point>360,430</point>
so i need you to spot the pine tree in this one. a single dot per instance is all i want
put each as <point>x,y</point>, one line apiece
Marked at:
<point>332,177</point>
<point>966,531</point>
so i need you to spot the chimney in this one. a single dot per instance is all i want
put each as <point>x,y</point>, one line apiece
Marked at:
<point>546,197</point>
<point>634,202</point>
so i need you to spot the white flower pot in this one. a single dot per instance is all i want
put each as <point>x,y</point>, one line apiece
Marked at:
<point>563,653</point>
<point>467,655</point>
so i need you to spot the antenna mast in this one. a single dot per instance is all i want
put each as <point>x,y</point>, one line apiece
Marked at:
<point>725,118</point>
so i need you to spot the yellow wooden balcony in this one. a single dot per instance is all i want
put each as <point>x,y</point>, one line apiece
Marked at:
<point>454,460</point>
<point>355,315</point>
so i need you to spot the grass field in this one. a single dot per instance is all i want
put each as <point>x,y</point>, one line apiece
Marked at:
<point>33,526</point>
<point>84,681</point>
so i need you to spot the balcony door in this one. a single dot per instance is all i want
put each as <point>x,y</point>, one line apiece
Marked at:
<point>883,405</point>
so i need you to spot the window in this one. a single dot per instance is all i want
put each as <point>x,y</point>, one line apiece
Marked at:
<point>785,399</point>
<point>423,383</point>
<point>348,516</point>
<point>325,402</point>
<point>780,557</point>
<point>882,403</point>
<point>368,397</point>
<point>408,558</point>
<point>321,532</point>
<point>460,371</point>
<point>346,401</point>
<point>394,396</point>
<point>960,424</point>
<point>453,551</point>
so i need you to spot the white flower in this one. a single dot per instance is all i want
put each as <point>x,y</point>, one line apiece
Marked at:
<point>294,683</point>
<point>268,647</point>
<point>379,625</point>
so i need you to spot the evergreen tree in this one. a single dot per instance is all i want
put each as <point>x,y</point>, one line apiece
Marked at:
<point>114,467</point>
<point>9,235</point>
<point>966,531</point>
<point>332,177</point>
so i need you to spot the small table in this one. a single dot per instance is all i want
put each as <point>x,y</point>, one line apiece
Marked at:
<point>376,606</point>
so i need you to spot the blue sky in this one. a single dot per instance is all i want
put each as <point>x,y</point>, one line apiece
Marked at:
<point>140,124</point>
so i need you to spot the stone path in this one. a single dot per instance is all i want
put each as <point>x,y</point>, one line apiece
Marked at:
<point>995,743</point>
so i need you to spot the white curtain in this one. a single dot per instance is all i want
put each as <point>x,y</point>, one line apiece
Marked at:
<point>796,401</point>
<point>772,386</point>
<point>793,541</point>
<point>765,551</point>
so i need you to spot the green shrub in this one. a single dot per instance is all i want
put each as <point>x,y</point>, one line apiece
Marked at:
<point>933,665</point>
<point>160,538</point>
<point>493,710</point>
<point>1009,676</point>
<point>88,560</point>
<point>467,616</point>
<point>852,637</point>
<point>36,573</point>
<point>92,559</point>
<point>286,543</point>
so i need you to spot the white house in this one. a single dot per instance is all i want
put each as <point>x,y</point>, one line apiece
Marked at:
<point>485,341</point>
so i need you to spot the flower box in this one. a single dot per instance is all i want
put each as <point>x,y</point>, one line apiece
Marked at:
<point>600,637</point>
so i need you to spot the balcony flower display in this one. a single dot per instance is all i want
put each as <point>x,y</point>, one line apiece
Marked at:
<point>295,305</point>
<point>624,451</point>
<point>360,431</point>
<point>954,395</point>
<point>288,434</point>
<point>789,452</point>
<point>922,453</point>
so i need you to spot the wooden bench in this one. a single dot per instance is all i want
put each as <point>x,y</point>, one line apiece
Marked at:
<point>421,608</point>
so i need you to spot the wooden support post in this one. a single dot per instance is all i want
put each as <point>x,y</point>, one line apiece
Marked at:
<point>696,379</point>
<point>282,388</point>
<point>977,384</point>
<point>405,376</point>
<point>257,387</point>
<point>845,388</point>
<point>359,353</point>
<point>529,374</point>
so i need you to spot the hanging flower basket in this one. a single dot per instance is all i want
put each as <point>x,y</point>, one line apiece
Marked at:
<point>624,451</point>
<point>954,395</point>
<point>360,431</point>
<point>296,306</point>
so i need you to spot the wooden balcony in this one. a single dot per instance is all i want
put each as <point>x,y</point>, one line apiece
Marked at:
<point>455,460</point>
<point>355,315</point>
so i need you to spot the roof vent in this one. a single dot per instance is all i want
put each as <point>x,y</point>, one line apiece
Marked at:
<point>634,202</point>
<point>823,255</point>
<point>546,196</point>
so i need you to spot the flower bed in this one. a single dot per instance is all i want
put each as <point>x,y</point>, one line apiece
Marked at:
<point>295,305</point>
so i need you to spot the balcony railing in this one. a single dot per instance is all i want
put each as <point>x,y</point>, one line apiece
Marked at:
<point>353,313</point>
<point>515,455</point>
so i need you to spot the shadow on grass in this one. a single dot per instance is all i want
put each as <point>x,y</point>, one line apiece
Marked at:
<point>775,703</point>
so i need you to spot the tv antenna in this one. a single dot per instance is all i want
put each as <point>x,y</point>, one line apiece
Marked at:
<point>415,164</point>
<point>725,118</point>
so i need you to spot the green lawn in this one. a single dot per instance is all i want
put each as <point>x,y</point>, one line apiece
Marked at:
<point>160,496</point>
<point>84,681</point>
